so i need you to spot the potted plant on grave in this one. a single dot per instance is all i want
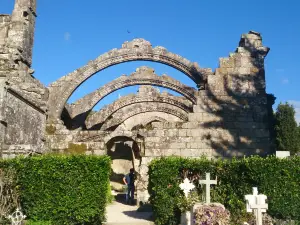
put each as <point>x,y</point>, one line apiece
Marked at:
<point>189,196</point>
<point>185,204</point>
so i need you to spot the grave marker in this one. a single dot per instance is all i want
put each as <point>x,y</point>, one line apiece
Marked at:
<point>17,217</point>
<point>256,203</point>
<point>186,186</point>
<point>207,182</point>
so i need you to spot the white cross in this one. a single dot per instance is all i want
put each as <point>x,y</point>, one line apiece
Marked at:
<point>208,182</point>
<point>250,199</point>
<point>17,217</point>
<point>256,203</point>
<point>186,186</point>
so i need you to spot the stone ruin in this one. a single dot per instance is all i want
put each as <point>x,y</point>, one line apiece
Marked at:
<point>226,114</point>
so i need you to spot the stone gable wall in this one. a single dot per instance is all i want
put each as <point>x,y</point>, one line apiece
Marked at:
<point>22,97</point>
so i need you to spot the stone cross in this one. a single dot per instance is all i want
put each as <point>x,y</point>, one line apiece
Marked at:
<point>17,217</point>
<point>256,203</point>
<point>208,182</point>
<point>186,186</point>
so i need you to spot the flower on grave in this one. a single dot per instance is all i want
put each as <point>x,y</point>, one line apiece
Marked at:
<point>186,203</point>
<point>211,215</point>
<point>267,220</point>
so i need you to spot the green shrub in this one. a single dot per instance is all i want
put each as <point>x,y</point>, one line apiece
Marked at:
<point>279,179</point>
<point>63,189</point>
<point>30,222</point>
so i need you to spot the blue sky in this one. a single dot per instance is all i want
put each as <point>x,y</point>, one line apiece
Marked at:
<point>69,33</point>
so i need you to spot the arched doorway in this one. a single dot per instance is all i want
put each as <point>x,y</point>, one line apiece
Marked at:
<point>125,154</point>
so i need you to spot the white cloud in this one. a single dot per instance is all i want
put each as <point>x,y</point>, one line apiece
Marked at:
<point>296,105</point>
<point>67,36</point>
<point>285,81</point>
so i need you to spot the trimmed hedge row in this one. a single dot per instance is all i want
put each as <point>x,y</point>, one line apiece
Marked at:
<point>63,189</point>
<point>279,179</point>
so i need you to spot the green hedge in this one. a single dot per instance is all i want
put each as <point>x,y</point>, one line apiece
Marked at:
<point>279,179</point>
<point>63,189</point>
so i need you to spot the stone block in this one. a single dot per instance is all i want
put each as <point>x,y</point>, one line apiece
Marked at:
<point>169,125</point>
<point>194,145</point>
<point>171,152</point>
<point>159,133</point>
<point>152,133</point>
<point>195,117</point>
<point>184,139</point>
<point>282,154</point>
<point>157,125</point>
<point>177,145</point>
<point>162,144</point>
<point>200,108</point>
<point>99,152</point>
<point>171,132</point>
<point>191,125</point>
<point>153,152</point>
<point>143,169</point>
<point>182,132</point>
<point>152,139</point>
<point>194,152</point>
<point>149,144</point>
<point>88,153</point>
<point>227,62</point>
<point>194,133</point>
<point>95,145</point>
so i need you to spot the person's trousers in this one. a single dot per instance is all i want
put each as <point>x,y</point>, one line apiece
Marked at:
<point>130,193</point>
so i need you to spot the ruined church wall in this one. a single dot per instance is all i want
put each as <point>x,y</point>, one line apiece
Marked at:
<point>25,123</point>
<point>22,97</point>
<point>24,127</point>
<point>4,23</point>
<point>59,139</point>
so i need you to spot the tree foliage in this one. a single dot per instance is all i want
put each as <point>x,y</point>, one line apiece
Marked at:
<point>286,129</point>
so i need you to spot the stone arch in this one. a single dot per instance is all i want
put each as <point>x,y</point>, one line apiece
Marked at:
<point>138,49</point>
<point>152,119</point>
<point>125,153</point>
<point>102,115</point>
<point>129,111</point>
<point>119,133</point>
<point>133,135</point>
<point>142,76</point>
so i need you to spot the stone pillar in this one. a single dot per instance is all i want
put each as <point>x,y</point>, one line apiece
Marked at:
<point>21,32</point>
<point>143,180</point>
<point>3,124</point>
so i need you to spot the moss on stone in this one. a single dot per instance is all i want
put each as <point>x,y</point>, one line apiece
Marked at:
<point>149,126</point>
<point>179,124</point>
<point>76,148</point>
<point>50,129</point>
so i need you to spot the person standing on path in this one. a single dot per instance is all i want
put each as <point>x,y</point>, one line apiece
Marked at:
<point>129,181</point>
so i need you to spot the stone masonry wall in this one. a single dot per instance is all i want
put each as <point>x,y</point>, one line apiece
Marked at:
<point>25,122</point>
<point>22,97</point>
<point>25,127</point>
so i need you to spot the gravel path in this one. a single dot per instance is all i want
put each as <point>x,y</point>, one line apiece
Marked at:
<point>119,213</point>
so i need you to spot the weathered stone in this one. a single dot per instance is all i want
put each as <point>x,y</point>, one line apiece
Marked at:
<point>226,117</point>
